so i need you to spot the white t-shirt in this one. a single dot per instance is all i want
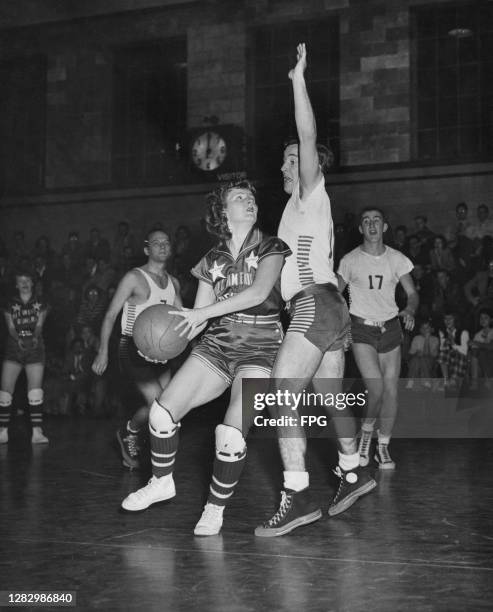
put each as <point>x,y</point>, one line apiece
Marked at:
<point>372,280</point>
<point>307,228</point>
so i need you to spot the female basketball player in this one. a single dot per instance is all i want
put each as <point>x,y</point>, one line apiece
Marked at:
<point>240,275</point>
<point>25,317</point>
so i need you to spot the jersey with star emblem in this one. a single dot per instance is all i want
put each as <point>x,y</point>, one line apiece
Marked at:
<point>230,276</point>
<point>25,315</point>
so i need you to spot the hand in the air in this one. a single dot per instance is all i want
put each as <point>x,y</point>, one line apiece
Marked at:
<point>300,67</point>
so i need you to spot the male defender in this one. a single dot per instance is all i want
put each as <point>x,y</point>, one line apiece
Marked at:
<point>372,272</point>
<point>139,289</point>
<point>314,344</point>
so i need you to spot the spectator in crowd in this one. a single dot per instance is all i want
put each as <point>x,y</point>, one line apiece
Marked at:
<point>101,274</point>
<point>400,238</point>
<point>68,274</point>
<point>184,258</point>
<point>82,390</point>
<point>454,349</point>
<point>92,308</point>
<point>424,283</point>
<point>74,249</point>
<point>42,248</point>
<point>423,232</point>
<point>447,296</point>
<point>97,247</point>
<point>441,257</point>
<point>415,253</point>
<point>5,277</point>
<point>482,226</point>
<point>123,240</point>
<point>43,276</point>
<point>482,351</point>
<point>459,227</point>
<point>19,251</point>
<point>423,355</point>
<point>479,289</point>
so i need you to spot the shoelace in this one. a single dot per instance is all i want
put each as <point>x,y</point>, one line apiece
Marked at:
<point>338,472</point>
<point>365,443</point>
<point>283,508</point>
<point>211,512</point>
<point>384,453</point>
<point>131,442</point>
<point>150,485</point>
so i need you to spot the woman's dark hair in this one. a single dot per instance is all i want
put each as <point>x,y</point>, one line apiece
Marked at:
<point>215,219</point>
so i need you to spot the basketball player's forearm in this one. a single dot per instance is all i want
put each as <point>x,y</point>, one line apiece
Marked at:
<point>104,337</point>
<point>303,111</point>
<point>412,303</point>
<point>242,301</point>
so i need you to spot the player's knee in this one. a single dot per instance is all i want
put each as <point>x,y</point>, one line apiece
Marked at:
<point>5,399</point>
<point>160,419</point>
<point>35,397</point>
<point>230,443</point>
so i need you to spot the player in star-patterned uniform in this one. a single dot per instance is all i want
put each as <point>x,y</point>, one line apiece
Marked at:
<point>239,290</point>
<point>25,316</point>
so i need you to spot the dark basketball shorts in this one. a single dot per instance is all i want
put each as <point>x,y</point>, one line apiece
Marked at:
<point>31,354</point>
<point>135,367</point>
<point>230,346</point>
<point>320,313</point>
<point>383,339</point>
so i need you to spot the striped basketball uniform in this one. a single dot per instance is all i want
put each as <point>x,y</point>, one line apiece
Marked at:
<point>131,363</point>
<point>308,281</point>
<point>243,339</point>
<point>371,283</point>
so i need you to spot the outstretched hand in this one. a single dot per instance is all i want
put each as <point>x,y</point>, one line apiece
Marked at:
<point>300,67</point>
<point>191,320</point>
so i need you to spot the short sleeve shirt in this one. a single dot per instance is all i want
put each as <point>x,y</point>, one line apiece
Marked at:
<point>229,276</point>
<point>372,281</point>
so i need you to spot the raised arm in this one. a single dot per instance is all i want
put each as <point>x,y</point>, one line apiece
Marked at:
<point>309,167</point>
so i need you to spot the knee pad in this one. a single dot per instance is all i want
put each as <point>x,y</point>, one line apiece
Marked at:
<point>161,422</point>
<point>230,443</point>
<point>35,397</point>
<point>5,399</point>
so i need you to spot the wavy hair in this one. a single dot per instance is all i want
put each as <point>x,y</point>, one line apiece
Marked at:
<point>215,218</point>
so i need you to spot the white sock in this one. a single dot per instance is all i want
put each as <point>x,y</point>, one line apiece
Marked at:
<point>296,481</point>
<point>383,439</point>
<point>368,428</point>
<point>348,462</point>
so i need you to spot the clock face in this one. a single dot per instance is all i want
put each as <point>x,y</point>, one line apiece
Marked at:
<point>209,151</point>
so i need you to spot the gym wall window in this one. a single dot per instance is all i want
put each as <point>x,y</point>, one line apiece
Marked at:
<point>149,113</point>
<point>453,89</point>
<point>272,52</point>
<point>22,125</point>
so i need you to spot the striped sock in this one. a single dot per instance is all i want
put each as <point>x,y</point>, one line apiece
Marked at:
<point>5,407</point>
<point>164,444</point>
<point>225,476</point>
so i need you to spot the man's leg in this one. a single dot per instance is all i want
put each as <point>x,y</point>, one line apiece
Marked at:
<point>390,364</point>
<point>193,385</point>
<point>296,363</point>
<point>354,481</point>
<point>367,360</point>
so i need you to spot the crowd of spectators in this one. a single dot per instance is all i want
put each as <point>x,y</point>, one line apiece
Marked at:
<point>78,282</point>
<point>453,273</point>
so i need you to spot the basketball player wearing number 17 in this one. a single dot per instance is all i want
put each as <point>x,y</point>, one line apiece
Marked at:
<point>372,271</point>
<point>139,289</point>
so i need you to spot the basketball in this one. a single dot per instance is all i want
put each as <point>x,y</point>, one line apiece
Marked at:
<point>154,333</point>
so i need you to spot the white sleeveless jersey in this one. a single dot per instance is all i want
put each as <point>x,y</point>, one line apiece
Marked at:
<point>307,227</point>
<point>372,280</point>
<point>156,296</point>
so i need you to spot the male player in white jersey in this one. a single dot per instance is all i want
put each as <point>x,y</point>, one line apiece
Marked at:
<point>139,288</point>
<point>372,272</point>
<point>313,348</point>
